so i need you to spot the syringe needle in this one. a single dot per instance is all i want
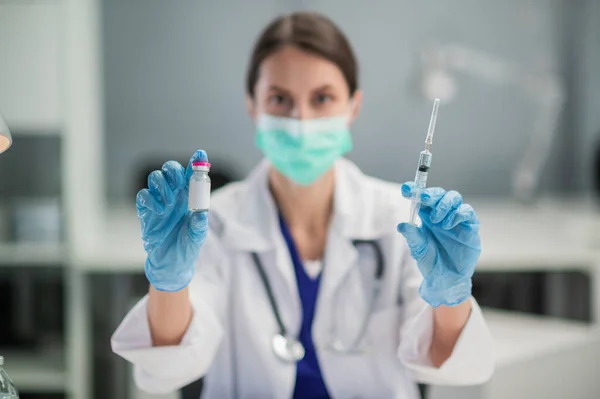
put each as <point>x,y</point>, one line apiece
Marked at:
<point>432,120</point>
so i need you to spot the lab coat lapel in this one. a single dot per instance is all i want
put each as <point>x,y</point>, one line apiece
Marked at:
<point>341,254</point>
<point>340,258</point>
<point>250,221</point>
<point>254,226</point>
<point>353,219</point>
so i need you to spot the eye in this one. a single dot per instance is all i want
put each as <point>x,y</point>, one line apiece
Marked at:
<point>323,98</point>
<point>277,99</point>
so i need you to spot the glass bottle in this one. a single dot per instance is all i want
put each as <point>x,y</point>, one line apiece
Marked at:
<point>7,388</point>
<point>199,194</point>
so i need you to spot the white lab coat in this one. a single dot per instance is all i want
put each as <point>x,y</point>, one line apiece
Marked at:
<point>229,339</point>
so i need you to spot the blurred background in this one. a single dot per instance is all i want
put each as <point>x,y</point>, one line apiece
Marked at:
<point>98,93</point>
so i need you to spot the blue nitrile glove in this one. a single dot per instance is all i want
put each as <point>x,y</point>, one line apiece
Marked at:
<point>446,246</point>
<point>171,234</point>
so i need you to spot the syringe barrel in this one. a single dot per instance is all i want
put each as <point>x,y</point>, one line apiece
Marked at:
<point>424,161</point>
<point>422,170</point>
<point>420,185</point>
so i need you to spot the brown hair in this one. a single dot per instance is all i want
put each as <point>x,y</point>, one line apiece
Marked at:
<point>308,31</point>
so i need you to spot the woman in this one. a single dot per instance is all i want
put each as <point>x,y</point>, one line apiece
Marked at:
<point>299,285</point>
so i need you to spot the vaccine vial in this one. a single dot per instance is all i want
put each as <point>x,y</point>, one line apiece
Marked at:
<point>199,195</point>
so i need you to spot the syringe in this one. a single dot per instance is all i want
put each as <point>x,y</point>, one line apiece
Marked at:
<point>423,167</point>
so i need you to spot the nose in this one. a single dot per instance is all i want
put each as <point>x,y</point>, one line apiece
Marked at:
<point>301,111</point>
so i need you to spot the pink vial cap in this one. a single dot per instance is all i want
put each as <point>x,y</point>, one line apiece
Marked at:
<point>201,163</point>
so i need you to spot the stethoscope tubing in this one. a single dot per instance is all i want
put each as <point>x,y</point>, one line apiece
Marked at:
<point>379,270</point>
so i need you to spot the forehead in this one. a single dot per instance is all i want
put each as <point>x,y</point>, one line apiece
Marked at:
<point>299,71</point>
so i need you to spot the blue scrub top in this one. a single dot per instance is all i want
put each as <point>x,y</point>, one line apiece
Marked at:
<point>309,381</point>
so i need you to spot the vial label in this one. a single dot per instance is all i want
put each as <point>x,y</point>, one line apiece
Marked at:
<point>199,197</point>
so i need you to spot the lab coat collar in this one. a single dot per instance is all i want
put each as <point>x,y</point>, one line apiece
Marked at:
<point>253,225</point>
<point>361,211</point>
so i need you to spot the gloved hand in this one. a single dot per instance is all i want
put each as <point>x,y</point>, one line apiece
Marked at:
<point>446,246</point>
<point>171,234</point>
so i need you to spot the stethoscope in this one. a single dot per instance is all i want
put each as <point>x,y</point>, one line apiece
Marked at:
<point>288,348</point>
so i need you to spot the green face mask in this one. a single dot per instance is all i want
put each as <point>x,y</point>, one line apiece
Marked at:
<point>303,150</point>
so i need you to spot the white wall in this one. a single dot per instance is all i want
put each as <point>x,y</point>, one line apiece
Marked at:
<point>588,111</point>
<point>174,79</point>
<point>480,135</point>
<point>174,76</point>
<point>29,65</point>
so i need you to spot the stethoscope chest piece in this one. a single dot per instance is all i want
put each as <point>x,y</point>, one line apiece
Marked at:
<point>287,349</point>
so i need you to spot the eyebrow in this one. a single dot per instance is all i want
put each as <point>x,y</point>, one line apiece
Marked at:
<point>277,88</point>
<point>323,88</point>
<point>318,89</point>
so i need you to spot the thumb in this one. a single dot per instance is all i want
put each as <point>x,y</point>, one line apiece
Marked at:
<point>197,226</point>
<point>414,237</point>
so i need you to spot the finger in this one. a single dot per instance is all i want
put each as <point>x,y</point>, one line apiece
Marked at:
<point>199,156</point>
<point>464,214</point>
<point>431,196</point>
<point>198,226</point>
<point>175,175</point>
<point>447,204</point>
<point>415,239</point>
<point>407,189</point>
<point>145,201</point>
<point>157,184</point>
